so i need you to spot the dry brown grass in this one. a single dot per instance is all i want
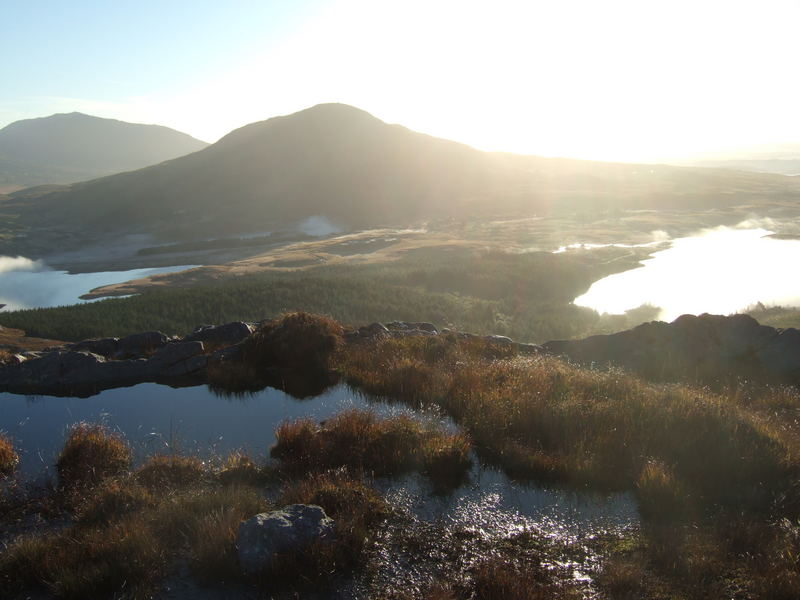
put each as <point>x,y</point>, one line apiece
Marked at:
<point>240,469</point>
<point>356,508</point>
<point>358,439</point>
<point>91,454</point>
<point>169,471</point>
<point>294,340</point>
<point>9,459</point>
<point>545,418</point>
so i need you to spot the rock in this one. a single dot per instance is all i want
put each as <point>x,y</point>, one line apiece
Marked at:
<point>781,354</point>
<point>172,353</point>
<point>705,348</point>
<point>140,344</point>
<point>50,371</point>
<point>221,335</point>
<point>102,346</point>
<point>372,330</point>
<point>291,529</point>
<point>499,339</point>
<point>231,353</point>
<point>186,367</point>
<point>525,348</point>
<point>410,332</point>
<point>409,326</point>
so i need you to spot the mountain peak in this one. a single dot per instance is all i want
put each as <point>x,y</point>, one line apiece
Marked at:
<point>74,146</point>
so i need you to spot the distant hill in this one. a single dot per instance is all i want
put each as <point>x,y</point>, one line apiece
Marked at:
<point>66,148</point>
<point>341,163</point>
<point>768,158</point>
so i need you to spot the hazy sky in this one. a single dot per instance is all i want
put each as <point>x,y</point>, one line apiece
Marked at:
<point>610,79</point>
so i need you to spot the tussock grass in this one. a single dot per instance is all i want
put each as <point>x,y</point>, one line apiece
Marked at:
<point>169,471</point>
<point>356,509</point>
<point>86,563</point>
<point>358,439</point>
<point>544,418</point>
<point>128,530</point>
<point>239,469</point>
<point>91,454</point>
<point>9,459</point>
<point>294,340</point>
<point>113,500</point>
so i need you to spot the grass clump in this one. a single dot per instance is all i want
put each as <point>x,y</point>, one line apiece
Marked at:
<point>240,469</point>
<point>9,459</point>
<point>660,494</point>
<point>91,454</point>
<point>86,562</point>
<point>357,510</point>
<point>294,340</point>
<point>171,471</point>
<point>113,500</point>
<point>544,418</point>
<point>358,439</point>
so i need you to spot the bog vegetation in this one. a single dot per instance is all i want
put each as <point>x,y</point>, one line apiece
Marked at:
<point>525,295</point>
<point>714,474</point>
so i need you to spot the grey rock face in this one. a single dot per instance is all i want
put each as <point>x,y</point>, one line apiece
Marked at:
<point>173,353</point>
<point>139,344</point>
<point>224,335</point>
<point>373,329</point>
<point>104,346</point>
<point>291,529</point>
<point>500,339</point>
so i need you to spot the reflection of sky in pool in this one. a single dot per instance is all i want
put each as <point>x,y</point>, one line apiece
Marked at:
<point>30,284</point>
<point>720,271</point>
<point>194,420</point>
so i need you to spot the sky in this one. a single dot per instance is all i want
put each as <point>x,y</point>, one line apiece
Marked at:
<point>632,80</point>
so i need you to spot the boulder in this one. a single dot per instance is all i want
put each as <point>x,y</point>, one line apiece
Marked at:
<point>185,367</point>
<point>781,354</point>
<point>221,335</point>
<point>173,353</point>
<point>55,371</point>
<point>231,353</point>
<point>499,339</point>
<point>373,329</point>
<point>291,529</point>
<point>140,344</point>
<point>102,346</point>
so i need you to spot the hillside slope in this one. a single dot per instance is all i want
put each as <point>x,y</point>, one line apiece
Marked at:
<point>65,148</point>
<point>342,163</point>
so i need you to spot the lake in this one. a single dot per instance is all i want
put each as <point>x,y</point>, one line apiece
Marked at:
<point>719,271</point>
<point>25,283</point>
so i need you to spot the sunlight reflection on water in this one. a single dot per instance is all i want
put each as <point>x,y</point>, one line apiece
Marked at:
<point>719,271</point>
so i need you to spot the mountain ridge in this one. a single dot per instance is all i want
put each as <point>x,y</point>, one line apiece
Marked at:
<point>70,147</point>
<point>342,163</point>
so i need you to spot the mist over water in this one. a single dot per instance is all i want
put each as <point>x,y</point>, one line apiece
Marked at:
<point>721,271</point>
<point>19,263</point>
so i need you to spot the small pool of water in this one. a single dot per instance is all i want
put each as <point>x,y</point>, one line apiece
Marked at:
<point>26,283</point>
<point>155,418</point>
<point>720,271</point>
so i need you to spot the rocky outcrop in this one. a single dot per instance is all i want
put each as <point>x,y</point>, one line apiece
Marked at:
<point>705,348</point>
<point>140,344</point>
<point>80,373</point>
<point>221,335</point>
<point>289,530</point>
